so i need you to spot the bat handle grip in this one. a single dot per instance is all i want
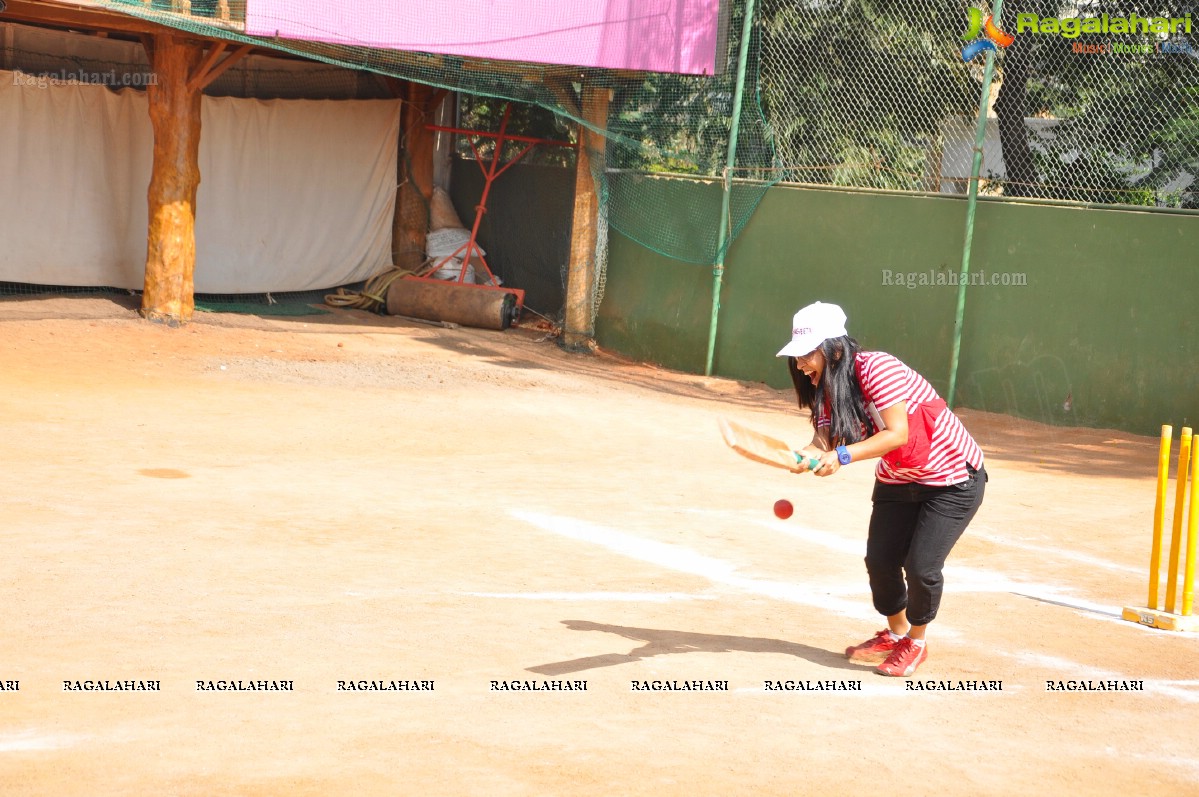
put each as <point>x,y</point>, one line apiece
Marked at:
<point>811,462</point>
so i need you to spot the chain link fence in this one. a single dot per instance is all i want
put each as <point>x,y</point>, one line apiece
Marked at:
<point>1092,101</point>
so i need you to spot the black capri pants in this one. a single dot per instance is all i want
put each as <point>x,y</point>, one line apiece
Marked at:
<point>912,529</point>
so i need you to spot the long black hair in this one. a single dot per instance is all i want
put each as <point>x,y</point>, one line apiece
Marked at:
<point>839,391</point>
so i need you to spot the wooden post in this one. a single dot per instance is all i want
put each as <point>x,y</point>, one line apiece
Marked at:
<point>416,175</point>
<point>578,331</point>
<point>174,181</point>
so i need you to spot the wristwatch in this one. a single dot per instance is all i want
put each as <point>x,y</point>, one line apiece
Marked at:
<point>843,455</point>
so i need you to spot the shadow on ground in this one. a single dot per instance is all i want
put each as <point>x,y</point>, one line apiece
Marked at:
<point>661,642</point>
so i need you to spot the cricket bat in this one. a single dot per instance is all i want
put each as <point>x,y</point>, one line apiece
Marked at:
<point>763,448</point>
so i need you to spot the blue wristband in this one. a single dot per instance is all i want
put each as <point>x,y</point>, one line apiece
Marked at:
<point>843,455</point>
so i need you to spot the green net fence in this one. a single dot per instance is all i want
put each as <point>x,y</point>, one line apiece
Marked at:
<point>1092,101</point>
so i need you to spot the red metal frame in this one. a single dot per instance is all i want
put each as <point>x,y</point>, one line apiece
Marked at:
<point>490,173</point>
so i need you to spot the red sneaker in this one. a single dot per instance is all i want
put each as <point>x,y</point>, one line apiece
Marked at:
<point>877,648</point>
<point>904,660</point>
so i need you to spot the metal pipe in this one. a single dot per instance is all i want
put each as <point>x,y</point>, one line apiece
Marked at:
<point>730,165</point>
<point>980,135</point>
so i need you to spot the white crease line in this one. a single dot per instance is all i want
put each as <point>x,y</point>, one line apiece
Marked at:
<point>639,597</point>
<point>857,547</point>
<point>674,557</point>
<point>1053,553</point>
<point>1163,760</point>
<point>26,741</point>
<point>853,547</point>
<point>968,579</point>
<point>960,578</point>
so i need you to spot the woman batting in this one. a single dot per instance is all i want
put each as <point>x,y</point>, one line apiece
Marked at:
<point>929,480</point>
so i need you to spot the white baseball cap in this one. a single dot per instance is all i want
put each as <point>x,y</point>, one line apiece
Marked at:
<point>812,326</point>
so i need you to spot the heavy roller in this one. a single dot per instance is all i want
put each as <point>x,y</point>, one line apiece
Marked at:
<point>482,306</point>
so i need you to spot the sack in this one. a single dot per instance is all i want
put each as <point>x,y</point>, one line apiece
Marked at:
<point>921,425</point>
<point>442,215</point>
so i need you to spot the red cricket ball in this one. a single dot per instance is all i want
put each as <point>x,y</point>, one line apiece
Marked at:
<point>783,509</point>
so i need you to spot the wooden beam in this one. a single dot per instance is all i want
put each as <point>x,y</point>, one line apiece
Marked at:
<point>578,328</point>
<point>214,53</point>
<point>564,93</point>
<point>77,17</point>
<point>395,87</point>
<point>223,66</point>
<point>208,73</point>
<point>174,181</point>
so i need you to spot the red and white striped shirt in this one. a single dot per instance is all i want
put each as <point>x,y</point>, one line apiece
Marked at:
<point>885,382</point>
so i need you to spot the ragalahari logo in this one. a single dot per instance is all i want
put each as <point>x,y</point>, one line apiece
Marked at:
<point>991,35</point>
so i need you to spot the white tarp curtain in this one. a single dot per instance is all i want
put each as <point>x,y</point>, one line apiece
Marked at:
<point>294,194</point>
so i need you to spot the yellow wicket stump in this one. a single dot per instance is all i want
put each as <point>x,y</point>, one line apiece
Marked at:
<point>1183,538</point>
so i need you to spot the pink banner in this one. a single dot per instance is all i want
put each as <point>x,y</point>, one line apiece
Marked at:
<point>643,35</point>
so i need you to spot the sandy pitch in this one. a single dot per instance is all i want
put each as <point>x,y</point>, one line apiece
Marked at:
<point>356,498</point>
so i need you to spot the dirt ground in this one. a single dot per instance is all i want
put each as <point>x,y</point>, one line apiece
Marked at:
<point>353,498</point>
